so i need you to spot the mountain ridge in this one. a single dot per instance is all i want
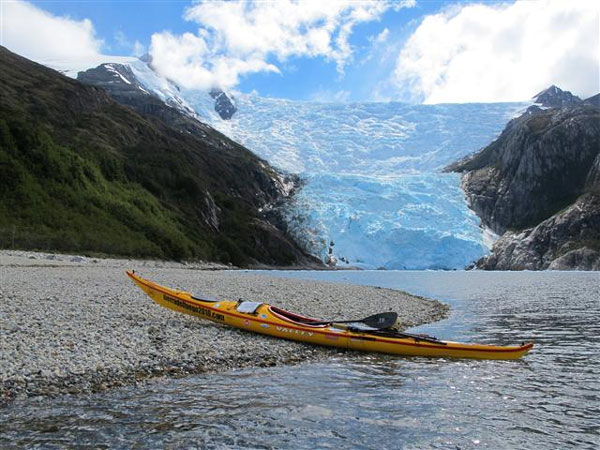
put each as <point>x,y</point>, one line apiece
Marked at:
<point>538,185</point>
<point>163,192</point>
<point>554,97</point>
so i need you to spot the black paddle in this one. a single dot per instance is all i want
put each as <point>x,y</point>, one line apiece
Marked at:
<point>377,321</point>
<point>416,337</point>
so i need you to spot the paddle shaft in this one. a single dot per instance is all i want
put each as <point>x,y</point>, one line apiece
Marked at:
<point>382,320</point>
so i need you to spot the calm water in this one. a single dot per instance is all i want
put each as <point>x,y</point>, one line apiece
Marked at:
<point>550,399</point>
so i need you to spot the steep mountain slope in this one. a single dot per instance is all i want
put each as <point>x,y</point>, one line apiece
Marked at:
<point>123,85</point>
<point>594,100</point>
<point>539,183</point>
<point>84,173</point>
<point>127,83</point>
<point>568,240</point>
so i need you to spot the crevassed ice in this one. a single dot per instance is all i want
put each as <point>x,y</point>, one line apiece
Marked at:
<point>363,138</point>
<point>408,221</point>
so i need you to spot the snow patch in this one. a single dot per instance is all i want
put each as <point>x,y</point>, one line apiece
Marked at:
<point>112,69</point>
<point>71,68</point>
<point>489,237</point>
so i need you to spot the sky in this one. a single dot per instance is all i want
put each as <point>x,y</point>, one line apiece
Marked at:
<point>415,51</point>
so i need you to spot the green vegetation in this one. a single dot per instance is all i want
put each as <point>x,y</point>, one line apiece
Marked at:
<point>55,198</point>
<point>51,198</point>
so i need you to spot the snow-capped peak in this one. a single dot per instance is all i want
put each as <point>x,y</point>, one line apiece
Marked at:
<point>555,97</point>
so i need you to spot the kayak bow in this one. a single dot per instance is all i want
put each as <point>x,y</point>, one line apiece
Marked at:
<point>270,320</point>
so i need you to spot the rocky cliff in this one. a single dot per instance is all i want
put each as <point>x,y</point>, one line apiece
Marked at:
<point>122,85</point>
<point>568,240</point>
<point>538,186</point>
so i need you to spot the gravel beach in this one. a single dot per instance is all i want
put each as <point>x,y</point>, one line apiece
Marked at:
<point>72,324</point>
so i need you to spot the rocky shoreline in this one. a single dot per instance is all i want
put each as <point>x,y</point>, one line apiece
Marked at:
<point>73,324</point>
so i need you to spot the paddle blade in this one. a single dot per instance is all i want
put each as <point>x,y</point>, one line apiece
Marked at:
<point>381,320</point>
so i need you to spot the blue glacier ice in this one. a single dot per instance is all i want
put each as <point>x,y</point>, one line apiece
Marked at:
<point>403,222</point>
<point>373,186</point>
<point>362,138</point>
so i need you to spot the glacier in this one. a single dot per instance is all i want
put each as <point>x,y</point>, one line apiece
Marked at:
<point>373,193</point>
<point>410,221</point>
<point>361,138</point>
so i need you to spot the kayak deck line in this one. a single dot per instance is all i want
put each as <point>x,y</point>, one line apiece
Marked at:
<point>274,321</point>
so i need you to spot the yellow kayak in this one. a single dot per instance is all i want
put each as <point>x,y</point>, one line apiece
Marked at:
<point>270,320</point>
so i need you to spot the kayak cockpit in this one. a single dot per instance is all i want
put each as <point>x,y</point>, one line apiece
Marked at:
<point>204,298</point>
<point>295,318</point>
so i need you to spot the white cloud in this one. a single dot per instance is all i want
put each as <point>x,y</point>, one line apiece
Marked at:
<point>502,52</point>
<point>381,37</point>
<point>37,34</point>
<point>135,48</point>
<point>122,40</point>
<point>139,49</point>
<point>187,60</point>
<point>241,37</point>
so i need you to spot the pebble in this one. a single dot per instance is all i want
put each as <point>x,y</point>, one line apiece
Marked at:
<point>73,325</point>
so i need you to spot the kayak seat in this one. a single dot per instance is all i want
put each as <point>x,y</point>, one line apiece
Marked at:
<point>291,317</point>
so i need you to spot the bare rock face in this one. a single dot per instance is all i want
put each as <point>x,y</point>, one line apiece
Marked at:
<point>566,241</point>
<point>211,213</point>
<point>115,78</point>
<point>224,104</point>
<point>555,97</point>
<point>123,86</point>
<point>538,186</point>
<point>540,164</point>
<point>594,100</point>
